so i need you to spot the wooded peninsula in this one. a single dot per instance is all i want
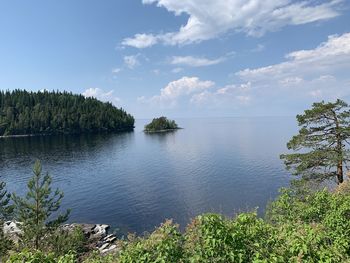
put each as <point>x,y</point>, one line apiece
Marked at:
<point>54,112</point>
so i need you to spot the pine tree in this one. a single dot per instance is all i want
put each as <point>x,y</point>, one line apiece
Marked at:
<point>5,211</point>
<point>5,208</point>
<point>322,142</point>
<point>35,210</point>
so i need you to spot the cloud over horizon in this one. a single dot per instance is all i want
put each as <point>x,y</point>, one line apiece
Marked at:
<point>305,75</point>
<point>176,89</point>
<point>105,96</point>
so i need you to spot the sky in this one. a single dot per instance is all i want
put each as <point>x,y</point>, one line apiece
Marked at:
<point>188,58</point>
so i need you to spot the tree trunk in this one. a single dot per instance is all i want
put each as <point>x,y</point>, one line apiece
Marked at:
<point>340,173</point>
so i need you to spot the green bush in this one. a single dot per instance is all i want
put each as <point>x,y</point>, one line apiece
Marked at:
<point>5,243</point>
<point>313,228</point>
<point>40,257</point>
<point>163,245</point>
<point>61,242</point>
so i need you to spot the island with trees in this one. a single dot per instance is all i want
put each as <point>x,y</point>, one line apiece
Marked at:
<point>33,113</point>
<point>161,124</point>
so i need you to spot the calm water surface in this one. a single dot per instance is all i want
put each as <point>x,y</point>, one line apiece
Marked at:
<point>133,181</point>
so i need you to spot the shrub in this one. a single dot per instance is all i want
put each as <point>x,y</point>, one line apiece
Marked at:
<point>61,241</point>
<point>163,245</point>
<point>40,257</point>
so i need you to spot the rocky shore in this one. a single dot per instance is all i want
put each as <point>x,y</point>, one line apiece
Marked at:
<point>96,234</point>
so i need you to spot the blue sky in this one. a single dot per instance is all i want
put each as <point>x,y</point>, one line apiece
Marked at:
<point>190,58</point>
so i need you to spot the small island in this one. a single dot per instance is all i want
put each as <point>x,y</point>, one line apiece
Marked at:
<point>161,124</point>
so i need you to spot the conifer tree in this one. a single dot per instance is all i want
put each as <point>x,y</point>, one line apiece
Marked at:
<point>5,208</point>
<point>322,144</point>
<point>5,211</point>
<point>36,208</point>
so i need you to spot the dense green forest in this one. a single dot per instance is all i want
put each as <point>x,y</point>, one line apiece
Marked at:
<point>161,124</point>
<point>23,112</point>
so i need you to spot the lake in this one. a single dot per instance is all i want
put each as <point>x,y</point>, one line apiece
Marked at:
<point>134,181</point>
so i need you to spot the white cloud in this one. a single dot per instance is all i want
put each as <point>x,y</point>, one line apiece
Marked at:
<point>184,86</point>
<point>132,61</point>
<point>316,93</point>
<point>102,95</point>
<point>304,76</point>
<point>209,19</point>
<point>223,97</point>
<point>195,61</point>
<point>116,70</point>
<point>177,70</point>
<point>140,41</point>
<point>320,72</point>
<point>330,56</point>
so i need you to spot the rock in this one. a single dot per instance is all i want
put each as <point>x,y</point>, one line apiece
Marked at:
<point>97,234</point>
<point>99,231</point>
<point>104,246</point>
<point>111,239</point>
<point>11,229</point>
<point>111,249</point>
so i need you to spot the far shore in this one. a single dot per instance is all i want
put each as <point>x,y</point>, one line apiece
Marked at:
<point>50,134</point>
<point>22,135</point>
<point>162,131</point>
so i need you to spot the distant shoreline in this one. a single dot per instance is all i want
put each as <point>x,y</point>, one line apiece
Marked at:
<point>63,133</point>
<point>22,135</point>
<point>162,131</point>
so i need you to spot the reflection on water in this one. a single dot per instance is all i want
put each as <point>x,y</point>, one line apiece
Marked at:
<point>134,181</point>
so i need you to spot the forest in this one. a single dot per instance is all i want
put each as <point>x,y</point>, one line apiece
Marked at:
<point>54,112</point>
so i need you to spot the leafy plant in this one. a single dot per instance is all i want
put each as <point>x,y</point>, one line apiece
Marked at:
<point>163,245</point>
<point>40,257</point>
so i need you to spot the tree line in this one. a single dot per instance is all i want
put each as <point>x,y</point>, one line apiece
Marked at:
<point>44,112</point>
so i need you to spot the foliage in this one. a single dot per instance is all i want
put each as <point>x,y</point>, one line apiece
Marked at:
<point>5,244</point>
<point>61,242</point>
<point>213,238</point>
<point>312,227</point>
<point>95,257</point>
<point>316,226</point>
<point>163,245</point>
<point>5,211</point>
<point>40,257</point>
<point>161,124</point>
<point>324,134</point>
<point>23,112</point>
<point>35,210</point>
<point>5,208</point>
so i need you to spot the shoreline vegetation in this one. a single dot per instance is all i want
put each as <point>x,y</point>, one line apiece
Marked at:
<point>305,223</point>
<point>161,125</point>
<point>53,112</point>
